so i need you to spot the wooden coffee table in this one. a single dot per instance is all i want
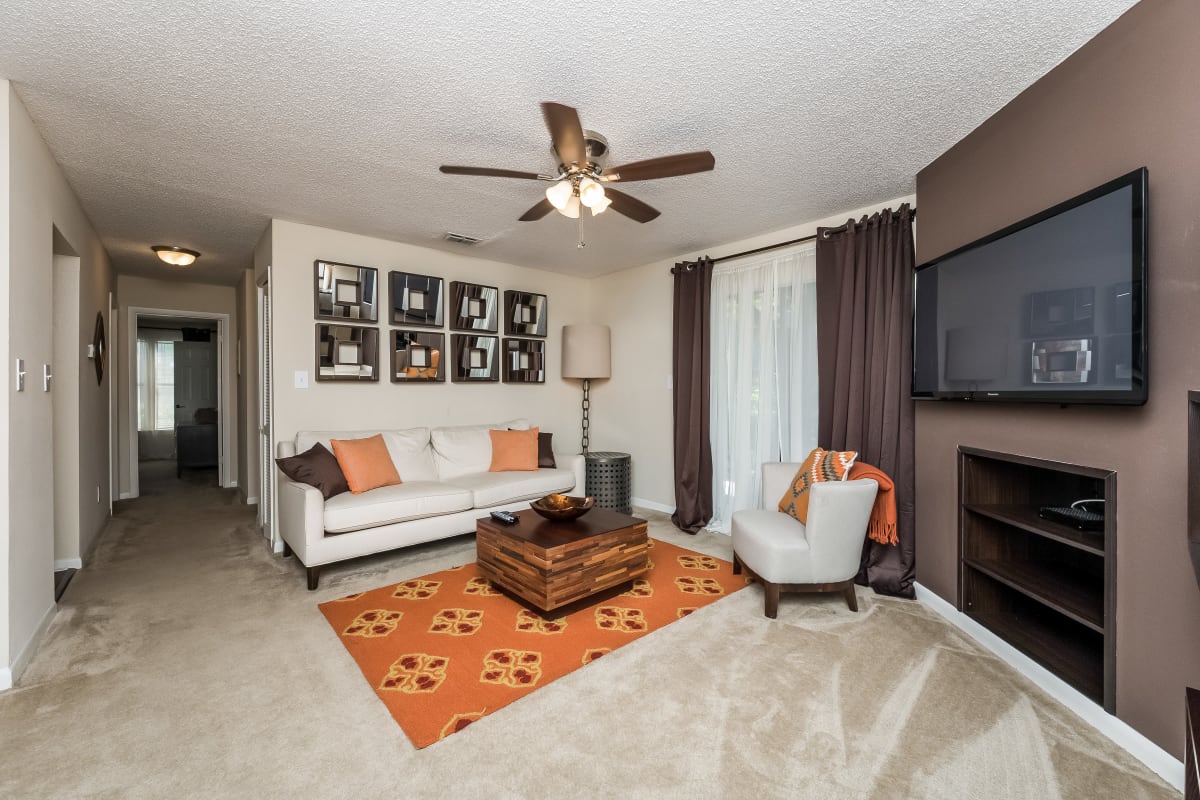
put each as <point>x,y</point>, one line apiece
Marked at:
<point>551,564</point>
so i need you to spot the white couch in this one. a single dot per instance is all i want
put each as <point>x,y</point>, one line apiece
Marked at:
<point>446,487</point>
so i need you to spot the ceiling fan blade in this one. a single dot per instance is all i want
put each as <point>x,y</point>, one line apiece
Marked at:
<point>488,172</point>
<point>566,132</point>
<point>630,206</point>
<point>537,212</point>
<point>663,167</point>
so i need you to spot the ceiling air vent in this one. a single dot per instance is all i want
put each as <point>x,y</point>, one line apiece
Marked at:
<point>461,238</point>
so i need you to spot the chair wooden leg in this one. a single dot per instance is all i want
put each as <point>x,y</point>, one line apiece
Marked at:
<point>287,550</point>
<point>771,608</point>
<point>737,565</point>
<point>314,575</point>
<point>851,597</point>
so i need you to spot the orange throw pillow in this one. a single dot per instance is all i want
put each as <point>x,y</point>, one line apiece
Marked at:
<point>821,465</point>
<point>514,451</point>
<point>366,463</point>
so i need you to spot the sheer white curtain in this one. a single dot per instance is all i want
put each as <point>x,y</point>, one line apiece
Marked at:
<point>156,378</point>
<point>764,371</point>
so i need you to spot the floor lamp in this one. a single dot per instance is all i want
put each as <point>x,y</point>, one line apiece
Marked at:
<point>586,354</point>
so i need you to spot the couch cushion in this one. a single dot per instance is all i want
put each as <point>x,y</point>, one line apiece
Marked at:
<point>411,500</point>
<point>496,488</point>
<point>409,448</point>
<point>467,449</point>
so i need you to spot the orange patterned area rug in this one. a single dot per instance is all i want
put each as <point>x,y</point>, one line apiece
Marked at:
<point>447,649</point>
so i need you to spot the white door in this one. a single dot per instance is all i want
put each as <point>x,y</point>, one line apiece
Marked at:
<point>195,379</point>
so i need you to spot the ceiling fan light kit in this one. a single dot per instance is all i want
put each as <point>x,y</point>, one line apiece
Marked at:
<point>582,177</point>
<point>559,193</point>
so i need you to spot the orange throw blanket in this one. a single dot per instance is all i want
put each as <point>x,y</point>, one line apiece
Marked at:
<point>882,527</point>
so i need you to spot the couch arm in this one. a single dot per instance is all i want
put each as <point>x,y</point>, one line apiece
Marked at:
<point>575,463</point>
<point>301,510</point>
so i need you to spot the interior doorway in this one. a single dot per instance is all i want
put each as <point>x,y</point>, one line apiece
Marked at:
<point>178,425</point>
<point>64,378</point>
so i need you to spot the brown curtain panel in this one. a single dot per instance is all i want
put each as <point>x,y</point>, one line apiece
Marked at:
<point>864,364</point>
<point>689,369</point>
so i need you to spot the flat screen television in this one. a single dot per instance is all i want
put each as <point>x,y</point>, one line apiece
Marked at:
<point>1051,309</point>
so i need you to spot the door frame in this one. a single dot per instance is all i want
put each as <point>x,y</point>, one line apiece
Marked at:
<point>266,415</point>
<point>224,379</point>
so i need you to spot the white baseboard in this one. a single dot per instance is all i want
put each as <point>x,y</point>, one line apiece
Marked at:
<point>127,496</point>
<point>1121,733</point>
<point>641,502</point>
<point>10,674</point>
<point>251,501</point>
<point>67,563</point>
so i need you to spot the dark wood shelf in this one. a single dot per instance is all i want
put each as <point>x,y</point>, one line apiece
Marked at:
<point>1066,592</point>
<point>1045,587</point>
<point>1026,518</point>
<point>1073,659</point>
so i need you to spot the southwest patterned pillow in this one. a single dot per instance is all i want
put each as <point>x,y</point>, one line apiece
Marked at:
<point>821,465</point>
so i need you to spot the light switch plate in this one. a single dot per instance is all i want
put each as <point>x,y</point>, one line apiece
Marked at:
<point>301,380</point>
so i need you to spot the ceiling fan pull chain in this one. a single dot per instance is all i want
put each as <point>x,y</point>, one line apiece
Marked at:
<point>582,243</point>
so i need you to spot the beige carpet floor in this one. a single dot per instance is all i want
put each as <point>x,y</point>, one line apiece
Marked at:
<point>186,661</point>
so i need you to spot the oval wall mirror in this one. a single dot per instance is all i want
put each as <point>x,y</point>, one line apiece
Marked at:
<point>99,347</point>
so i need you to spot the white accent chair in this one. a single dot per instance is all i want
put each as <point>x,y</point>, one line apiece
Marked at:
<point>785,555</point>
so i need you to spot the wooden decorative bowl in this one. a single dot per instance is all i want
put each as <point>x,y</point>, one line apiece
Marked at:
<point>562,508</point>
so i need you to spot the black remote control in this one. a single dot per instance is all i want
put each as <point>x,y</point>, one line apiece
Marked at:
<point>505,517</point>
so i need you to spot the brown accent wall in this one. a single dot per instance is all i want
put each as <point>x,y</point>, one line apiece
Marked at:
<point>1126,99</point>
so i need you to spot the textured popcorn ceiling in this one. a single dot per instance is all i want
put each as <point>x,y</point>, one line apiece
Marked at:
<point>194,123</point>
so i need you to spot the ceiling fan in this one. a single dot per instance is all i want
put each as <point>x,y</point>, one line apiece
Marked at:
<point>582,180</point>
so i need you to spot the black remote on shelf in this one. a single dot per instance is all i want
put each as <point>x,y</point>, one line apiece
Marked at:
<point>505,517</point>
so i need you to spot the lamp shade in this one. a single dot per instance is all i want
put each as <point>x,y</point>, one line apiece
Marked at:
<point>586,351</point>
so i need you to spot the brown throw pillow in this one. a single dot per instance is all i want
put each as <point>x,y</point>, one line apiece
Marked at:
<point>821,465</point>
<point>317,467</point>
<point>545,451</point>
<point>514,450</point>
<point>366,463</point>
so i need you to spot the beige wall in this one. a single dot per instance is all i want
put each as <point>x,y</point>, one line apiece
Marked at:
<point>631,412</point>
<point>554,406</point>
<point>247,335</point>
<point>1124,100</point>
<point>37,200</point>
<point>137,292</point>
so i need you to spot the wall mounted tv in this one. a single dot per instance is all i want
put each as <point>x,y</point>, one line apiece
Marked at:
<point>1051,309</point>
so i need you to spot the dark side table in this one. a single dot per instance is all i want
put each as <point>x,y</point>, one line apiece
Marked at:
<point>608,480</point>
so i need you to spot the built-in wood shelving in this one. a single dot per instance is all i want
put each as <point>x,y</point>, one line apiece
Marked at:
<point>1043,586</point>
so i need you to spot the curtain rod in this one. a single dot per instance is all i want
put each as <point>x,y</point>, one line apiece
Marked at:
<point>788,243</point>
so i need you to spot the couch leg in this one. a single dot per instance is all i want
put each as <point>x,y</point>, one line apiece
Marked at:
<point>772,602</point>
<point>287,550</point>
<point>737,565</point>
<point>314,575</point>
<point>851,597</point>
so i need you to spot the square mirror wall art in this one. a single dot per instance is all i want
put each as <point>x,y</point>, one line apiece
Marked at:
<point>346,292</point>
<point>524,361</point>
<point>347,353</point>
<point>417,357</point>
<point>416,299</point>
<point>473,307</point>
<point>524,314</point>
<point>475,358</point>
